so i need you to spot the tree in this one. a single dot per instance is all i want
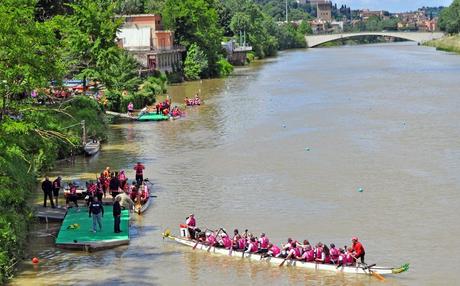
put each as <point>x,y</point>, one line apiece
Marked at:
<point>195,63</point>
<point>305,28</point>
<point>195,21</point>
<point>89,35</point>
<point>127,7</point>
<point>121,72</point>
<point>240,23</point>
<point>449,19</point>
<point>28,56</point>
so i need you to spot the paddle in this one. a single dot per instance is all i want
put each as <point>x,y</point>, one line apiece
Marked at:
<point>198,241</point>
<point>209,248</point>
<point>368,267</point>
<point>287,257</point>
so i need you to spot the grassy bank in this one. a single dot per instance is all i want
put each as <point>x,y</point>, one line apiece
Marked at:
<point>449,44</point>
<point>32,138</point>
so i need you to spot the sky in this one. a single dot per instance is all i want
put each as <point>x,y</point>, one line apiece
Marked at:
<point>392,5</point>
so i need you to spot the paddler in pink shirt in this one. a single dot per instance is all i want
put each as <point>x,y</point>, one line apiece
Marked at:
<point>273,250</point>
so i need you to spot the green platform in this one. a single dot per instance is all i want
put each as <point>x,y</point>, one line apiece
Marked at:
<point>83,237</point>
<point>152,116</point>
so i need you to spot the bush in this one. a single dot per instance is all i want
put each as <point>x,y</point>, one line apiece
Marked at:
<point>250,57</point>
<point>225,68</point>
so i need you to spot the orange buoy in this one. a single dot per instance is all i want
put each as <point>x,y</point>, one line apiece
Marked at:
<point>35,260</point>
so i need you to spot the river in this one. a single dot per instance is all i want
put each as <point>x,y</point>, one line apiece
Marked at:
<point>282,147</point>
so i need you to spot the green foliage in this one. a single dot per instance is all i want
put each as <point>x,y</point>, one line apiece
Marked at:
<point>195,63</point>
<point>290,37</point>
<point>250,57</point>
<point>225,68</point>
<point>28,58</point>
<point>89,37</point>
<point>305,28</point>
<point>449,18</point>
<point>196,22</point>
<point>28,146</point>
<point>121,72</point>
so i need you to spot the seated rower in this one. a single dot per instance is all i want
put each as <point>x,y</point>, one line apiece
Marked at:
<point>325,257</point>
<point>318,250</point>
<point>211,239</point>
<point>285,248</point>
<point>242,243</point>
<point>347,258</point>
<point>273,250</point>
<point>294,251</point>
<point>335,253</point>
<point>187,101</point>
<point>253,246</point>
<point>191,224</point>
<point>263,240</point>
<point>225,241</point>
<point>145,194</point>
<point>133,192</point>
<point>308,254</point>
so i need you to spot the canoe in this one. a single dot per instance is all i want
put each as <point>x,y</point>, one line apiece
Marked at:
<point>92,148</point>
<point>141,208</point>
<point>152,116</point>
<point>295,263</point>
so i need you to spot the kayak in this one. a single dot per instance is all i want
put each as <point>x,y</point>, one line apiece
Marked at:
<point>152,116</point>
<point>359,269</point>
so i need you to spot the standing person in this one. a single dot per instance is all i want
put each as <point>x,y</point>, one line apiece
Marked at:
<point>191,223</point>
<point>72,195</point>
<point>116,215</point>
<point>358,249</point>
<point>114,186</point>
<point>122,179</point>
<point>56,188</point>
<point>96,210</point>
<point>47,188</point>
<point>139,168</point>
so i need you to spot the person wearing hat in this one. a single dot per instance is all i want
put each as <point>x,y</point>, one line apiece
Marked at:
<point>56,189</point>
<point>191,223</point>
<point>358,249</point>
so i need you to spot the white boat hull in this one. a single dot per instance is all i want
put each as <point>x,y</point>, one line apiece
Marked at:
<point>277,261</point>
<point>92,148</point>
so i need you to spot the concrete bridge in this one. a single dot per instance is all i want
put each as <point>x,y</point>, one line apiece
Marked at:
<point>419,37</point>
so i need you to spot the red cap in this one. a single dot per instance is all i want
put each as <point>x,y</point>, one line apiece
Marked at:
<point>354,238</point>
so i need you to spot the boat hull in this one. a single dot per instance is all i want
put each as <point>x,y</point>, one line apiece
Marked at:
<point>92,148</point>
<point>296,263</point>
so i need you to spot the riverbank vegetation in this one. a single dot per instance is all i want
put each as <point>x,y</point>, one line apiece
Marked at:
<point>449,22</point>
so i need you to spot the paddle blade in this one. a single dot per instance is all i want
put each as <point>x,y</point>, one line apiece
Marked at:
<point>378,276</point>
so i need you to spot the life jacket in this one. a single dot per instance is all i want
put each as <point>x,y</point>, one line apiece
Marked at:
<point>310,255</point>
<point>334,252</point>
<point>318,252</point>
<point>327,259</point>
<point>191,221</point>
<point>122,177</point>
<point>139,169</point>
<point>242,243</point>
<point>211,239</point>
<point>92,189</point>
<point>254,246</point>
<point>275,250</point>
<point>226,242</point>
<point>348,259</point>
<point>73,190</point>
<point>263,242</point>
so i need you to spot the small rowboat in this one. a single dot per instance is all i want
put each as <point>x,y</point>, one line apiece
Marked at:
<point>140,208</point>
<point>92,147</point>
<point>360,269</point>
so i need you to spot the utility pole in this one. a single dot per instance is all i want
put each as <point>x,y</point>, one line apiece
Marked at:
<point>287,11</point>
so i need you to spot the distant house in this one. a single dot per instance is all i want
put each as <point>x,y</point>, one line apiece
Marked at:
<point>143,37</point>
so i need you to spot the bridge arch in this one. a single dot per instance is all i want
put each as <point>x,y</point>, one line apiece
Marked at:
<point>419,37</point>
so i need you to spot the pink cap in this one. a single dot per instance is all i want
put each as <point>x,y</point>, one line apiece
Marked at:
<point>354,238</point>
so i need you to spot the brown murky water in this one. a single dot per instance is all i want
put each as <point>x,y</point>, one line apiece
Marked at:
<point>282,147</point>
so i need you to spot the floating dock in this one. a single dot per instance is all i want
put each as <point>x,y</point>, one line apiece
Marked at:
<point>121,115</point>
<point>76,231</point>
<point>49,214</point>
